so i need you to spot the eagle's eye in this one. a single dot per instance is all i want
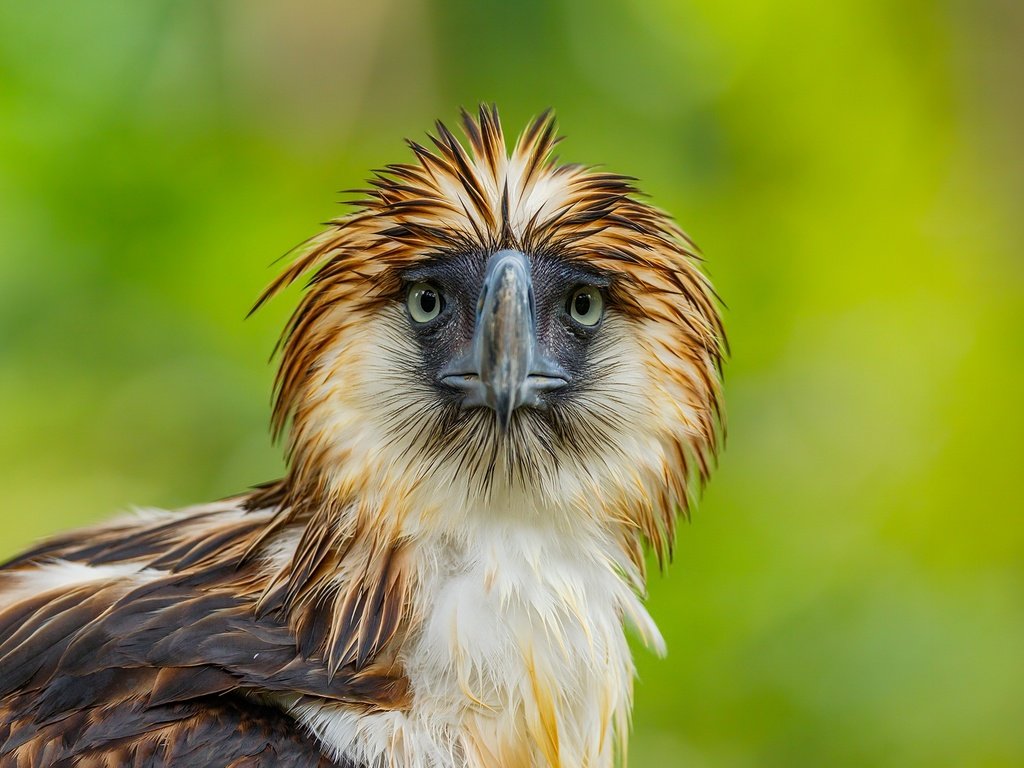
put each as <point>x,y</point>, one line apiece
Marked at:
<point>425,302</point>
<point>586,306</point>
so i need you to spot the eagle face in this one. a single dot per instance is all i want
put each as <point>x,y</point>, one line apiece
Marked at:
<point>513,359</point>
<point>517,333</point>
<point>491,336</point>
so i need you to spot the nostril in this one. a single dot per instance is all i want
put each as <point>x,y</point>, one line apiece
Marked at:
<point>538,385</point>
<point>546,383</point>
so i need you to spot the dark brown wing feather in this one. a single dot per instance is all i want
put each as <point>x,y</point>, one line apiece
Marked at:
<point>118,671</point>
<point>207,733</point>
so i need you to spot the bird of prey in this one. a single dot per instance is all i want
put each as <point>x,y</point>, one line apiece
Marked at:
<point>501,385</point>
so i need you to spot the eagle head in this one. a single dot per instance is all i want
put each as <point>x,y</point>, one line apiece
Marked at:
<point>495,332</point>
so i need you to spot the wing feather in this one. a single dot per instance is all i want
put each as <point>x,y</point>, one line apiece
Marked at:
<point>211,733</point>
<point>151,650</point>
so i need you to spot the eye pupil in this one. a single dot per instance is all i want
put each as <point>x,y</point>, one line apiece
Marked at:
<point>424,302</point>
<point>581,304</point>
<point>586,306</point>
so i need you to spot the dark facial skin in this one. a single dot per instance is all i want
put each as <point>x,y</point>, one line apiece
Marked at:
<point>561,342</point>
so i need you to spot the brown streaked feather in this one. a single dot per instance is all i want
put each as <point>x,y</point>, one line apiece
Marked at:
<point>208,733</point>
<point>348,623</point>
<point>166,639</point>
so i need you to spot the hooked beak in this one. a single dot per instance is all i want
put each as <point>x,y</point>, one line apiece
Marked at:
<point>506,368</point>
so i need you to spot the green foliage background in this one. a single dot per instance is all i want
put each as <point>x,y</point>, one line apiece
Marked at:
<point>850,592</point>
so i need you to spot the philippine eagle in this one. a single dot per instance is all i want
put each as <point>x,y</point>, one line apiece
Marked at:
<point>501,383</point>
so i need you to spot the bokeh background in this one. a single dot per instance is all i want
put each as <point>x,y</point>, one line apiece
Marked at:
<point>851,590</point>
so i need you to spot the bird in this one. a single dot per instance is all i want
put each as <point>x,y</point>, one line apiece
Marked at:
<point>499,392</point>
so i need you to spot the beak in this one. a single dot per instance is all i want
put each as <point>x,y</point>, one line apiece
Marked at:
<point>509,369</point>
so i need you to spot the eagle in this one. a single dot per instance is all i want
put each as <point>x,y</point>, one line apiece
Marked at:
<point>500,389</point>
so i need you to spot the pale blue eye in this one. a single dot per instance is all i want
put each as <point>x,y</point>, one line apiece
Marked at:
<point>424,302</point>
<point>586,306</point>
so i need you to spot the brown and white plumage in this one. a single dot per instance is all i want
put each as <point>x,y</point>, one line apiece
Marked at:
<point>431,584</point>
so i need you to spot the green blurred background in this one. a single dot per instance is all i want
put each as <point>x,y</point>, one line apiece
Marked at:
<point>851,591</point>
